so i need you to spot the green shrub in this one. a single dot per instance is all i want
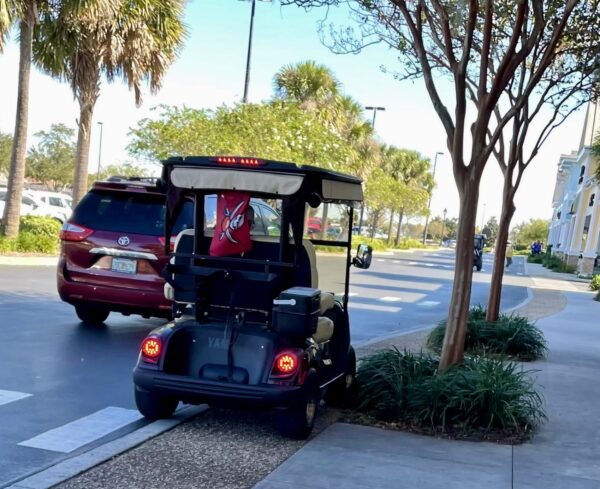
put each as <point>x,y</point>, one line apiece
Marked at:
<point>408,243</point>
<point>595,282</point>
<point>481,394</point>
<point>40,226</point>
<point>36,235</point>
<point>511,336</point>
<point>597,298</point>
<point>535,259</point>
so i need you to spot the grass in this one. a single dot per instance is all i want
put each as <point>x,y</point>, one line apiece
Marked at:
<point>595,282</point>
<point>512,336</point>
<point>376,243</point>
<point>482,398</point>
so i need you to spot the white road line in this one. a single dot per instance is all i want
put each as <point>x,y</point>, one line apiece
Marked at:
<point>397,261</point>
<point>412,263</point>
<point>428,303</point>
<point>379,259</point>
<point>350,294</point>
<point>84,430</point>
<point>374,307</point>
<point>429,264</point>
<point>388,298</point>
<point>11,396</point>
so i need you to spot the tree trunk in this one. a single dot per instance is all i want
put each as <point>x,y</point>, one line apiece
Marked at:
<point>87,94</point>
<point>324,221</point>
<point>456,328</point>
<point>389,238</point>
<point>400,217</point>
<point>374,223</point>
<point>508,210</point>
<point>16,173</point>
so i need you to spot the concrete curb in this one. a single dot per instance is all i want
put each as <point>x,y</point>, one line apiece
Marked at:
<point>71,467</point>
<point>29,261</point>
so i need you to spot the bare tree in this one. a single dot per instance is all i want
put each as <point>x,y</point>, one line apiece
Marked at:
<point>461,43</point>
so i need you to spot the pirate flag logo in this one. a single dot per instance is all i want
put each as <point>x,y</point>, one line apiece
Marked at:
<point>232,230</point>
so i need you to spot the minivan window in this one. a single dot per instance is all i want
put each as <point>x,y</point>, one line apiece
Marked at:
<point>124,212</point>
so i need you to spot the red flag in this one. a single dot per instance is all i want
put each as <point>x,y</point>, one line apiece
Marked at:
<point>234,221</point>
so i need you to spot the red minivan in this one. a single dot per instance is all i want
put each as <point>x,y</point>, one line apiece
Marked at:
<point>112,251</point>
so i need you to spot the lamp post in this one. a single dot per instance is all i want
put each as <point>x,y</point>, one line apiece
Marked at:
<point>249,55</point>
<point>430,195</point>
<point>362,207</point>
<point>483,218</point>
<point>101,124</point>
<point>444,224</point>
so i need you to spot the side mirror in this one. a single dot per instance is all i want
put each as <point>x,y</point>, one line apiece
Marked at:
<point>364,255</point>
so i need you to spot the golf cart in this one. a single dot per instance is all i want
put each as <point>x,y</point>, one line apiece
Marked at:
<point>253,326</point>
<point>478,245</point>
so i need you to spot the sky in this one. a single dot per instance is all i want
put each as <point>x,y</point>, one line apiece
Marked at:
<point>210,72</point>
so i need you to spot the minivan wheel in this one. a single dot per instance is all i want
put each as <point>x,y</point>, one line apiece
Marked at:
<point>154,406</point>
<point>91,315</point>
<point>298,421</point>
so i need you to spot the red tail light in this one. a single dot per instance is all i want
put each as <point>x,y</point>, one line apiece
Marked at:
<point>151,349</point>
<point>74,232</point>
<point>171,243</point>
<point>235,160</point>
<point>285,364</point>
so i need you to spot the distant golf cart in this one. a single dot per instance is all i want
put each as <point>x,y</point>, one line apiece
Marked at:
<point>253,327</point>
<point>479,243</point>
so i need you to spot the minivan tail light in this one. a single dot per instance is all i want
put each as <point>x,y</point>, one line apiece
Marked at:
<point>162,240</point>
<point>74,232</point>
<point>151,349</point>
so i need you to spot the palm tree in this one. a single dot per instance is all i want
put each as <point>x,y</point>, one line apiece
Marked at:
<point>137,40</point>
<point>308,83</point>
<point>25,13</point>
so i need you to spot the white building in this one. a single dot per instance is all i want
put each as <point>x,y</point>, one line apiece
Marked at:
<point>575,227</point>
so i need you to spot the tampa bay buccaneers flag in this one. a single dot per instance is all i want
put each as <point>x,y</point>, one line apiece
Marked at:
<point>234,221</point>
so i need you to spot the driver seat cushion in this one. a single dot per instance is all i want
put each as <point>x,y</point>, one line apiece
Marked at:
<point>327,302</point>
<point>324,330</point>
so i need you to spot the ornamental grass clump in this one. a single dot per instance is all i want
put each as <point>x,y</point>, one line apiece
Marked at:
<point>512,336</point>
<point>482,398</point>
<point>595,282</point>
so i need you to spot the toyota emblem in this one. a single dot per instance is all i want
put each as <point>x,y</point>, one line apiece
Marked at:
<point>123,241</point>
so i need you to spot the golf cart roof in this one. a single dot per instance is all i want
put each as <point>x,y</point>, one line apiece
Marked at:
<point>262,176</point>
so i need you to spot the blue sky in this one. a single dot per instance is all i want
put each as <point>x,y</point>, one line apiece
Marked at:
<point>210,72</point>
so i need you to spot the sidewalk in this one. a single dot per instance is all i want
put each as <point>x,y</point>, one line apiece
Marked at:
<point>226,449</point>
<point>565,454</point>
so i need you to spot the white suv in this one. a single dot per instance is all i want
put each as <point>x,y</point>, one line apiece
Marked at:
<point>52,204</point>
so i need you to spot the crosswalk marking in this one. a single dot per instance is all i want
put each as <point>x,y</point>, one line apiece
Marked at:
<point>84,430</point>
<point>374,307</point>
<point>11,396</point>
<point>388,298</point>
<point>428,303</point>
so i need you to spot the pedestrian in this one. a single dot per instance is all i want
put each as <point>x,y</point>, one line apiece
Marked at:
<point>509,254</point>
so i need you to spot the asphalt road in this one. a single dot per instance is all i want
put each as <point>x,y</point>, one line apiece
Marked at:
<point>65,387</point>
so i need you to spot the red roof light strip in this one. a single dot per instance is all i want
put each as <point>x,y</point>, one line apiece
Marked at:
<point>230,160</point>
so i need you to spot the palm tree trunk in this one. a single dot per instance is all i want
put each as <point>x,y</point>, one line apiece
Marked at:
<point>87,96</point>
<point>400,218</point>
<point>389,238</point>
<point>16,173</point>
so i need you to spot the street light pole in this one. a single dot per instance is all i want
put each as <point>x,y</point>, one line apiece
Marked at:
<point>444,224</point>
<point>247,81</point>
<point>362,207</point>
<point>430,196</point>
<point>101,124</point>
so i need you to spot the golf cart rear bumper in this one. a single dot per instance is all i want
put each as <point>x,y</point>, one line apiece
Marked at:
<point>196,391</point>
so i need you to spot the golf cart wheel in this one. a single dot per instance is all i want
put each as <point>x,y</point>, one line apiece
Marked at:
<point>91,315</point>
<point>339,394</point>
<point>298,421</point>
<point>154,406</point>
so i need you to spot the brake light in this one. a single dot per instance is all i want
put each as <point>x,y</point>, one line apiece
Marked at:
<point>74,232</point>
<point>151,349</point>
<point>162,240</point>
<point>286,363</point>
<point>235,160</point>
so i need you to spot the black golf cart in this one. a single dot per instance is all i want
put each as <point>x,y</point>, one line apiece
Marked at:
<point>253,326</point>
<point>479,243</point>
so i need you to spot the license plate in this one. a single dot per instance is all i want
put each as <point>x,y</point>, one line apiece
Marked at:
<point>124,265</point>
